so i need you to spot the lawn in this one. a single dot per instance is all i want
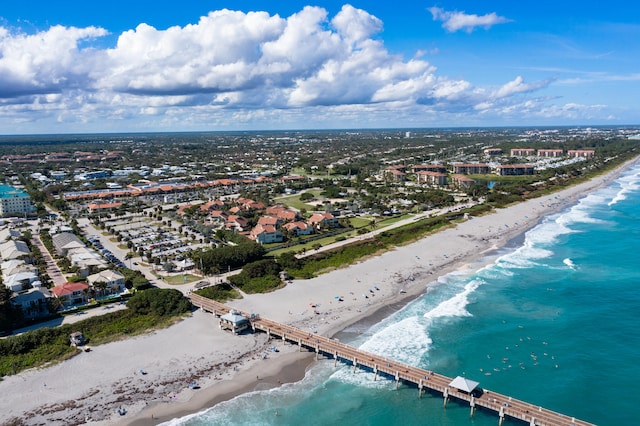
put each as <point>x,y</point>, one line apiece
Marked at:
<point>309,246</point>
<point>295,202</point>
<point>180,279</point>
<point>358,222</point>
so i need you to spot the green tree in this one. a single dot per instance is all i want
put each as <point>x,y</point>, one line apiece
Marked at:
<point>306,196</point>
<point>159,302</point>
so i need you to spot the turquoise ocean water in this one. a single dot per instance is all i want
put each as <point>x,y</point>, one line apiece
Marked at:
<point>553,320</point>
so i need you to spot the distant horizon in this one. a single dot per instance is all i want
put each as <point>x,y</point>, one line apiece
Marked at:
<point>354,129</point>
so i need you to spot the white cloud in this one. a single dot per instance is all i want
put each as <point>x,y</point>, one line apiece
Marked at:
<point>518,86</point>
<point>233,69</point>
<point>454,21</point>
<point>356,25</point>
<point>45,62</point>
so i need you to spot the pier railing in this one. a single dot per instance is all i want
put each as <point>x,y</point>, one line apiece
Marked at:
<point>424,380</point>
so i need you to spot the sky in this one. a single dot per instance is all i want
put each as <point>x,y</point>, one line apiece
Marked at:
<point>195,65</point>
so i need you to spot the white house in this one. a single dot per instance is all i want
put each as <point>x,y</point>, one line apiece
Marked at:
<point>20,281</point>
<point>13,249</point>
<point>113,280</point>
<point>265,234</point>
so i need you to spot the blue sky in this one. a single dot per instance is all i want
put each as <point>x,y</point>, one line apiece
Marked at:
<point>197,65</point>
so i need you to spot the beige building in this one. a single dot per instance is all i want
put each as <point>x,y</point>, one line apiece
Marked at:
<point>584,153</point>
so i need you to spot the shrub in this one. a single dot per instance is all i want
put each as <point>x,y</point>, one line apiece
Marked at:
<point>160,302</point>
<point>220,292</point>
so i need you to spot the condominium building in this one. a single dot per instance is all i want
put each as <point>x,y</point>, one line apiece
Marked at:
<point>14,201</point>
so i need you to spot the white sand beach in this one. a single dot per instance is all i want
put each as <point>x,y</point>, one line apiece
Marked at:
<point>92,386</point>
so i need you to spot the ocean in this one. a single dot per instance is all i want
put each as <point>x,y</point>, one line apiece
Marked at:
<point>552,320</point>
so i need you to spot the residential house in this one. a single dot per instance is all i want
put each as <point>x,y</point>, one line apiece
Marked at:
<point>20,280</point>
<point>298,228</point>
<point>282,212</point>
<point>462,181</point>
<point>113,281</point>
<point>218,217</point>
<point>274,210</point>
<point>13,249</point>
<point>265,234</point>
<point>9,234</point>
<point>322,220</point>
<point>71,294</point>
<point>56,229</point>
<point>13,266</point>
<point>236,223</point>
<point>288,215</point>
<point>249,204</point>
<point>33,303</point>
<point>212,205</point>
<point>270,220</point>
<point>65,241</point>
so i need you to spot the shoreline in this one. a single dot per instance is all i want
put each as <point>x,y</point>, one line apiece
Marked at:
<point>226,373</point>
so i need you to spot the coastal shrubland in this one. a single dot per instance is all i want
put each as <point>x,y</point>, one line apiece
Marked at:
<point>321,262</point>
<point>147,310</point>
<point>220,259</point>
<point>258,277</point>
<point>221,292</point>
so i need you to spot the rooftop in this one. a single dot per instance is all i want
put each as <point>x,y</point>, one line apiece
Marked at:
<point>7,191</point>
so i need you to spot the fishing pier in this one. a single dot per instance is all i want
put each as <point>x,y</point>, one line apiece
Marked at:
<point>425,380</point>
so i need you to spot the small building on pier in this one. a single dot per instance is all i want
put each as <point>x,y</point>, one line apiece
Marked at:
<point>465,385</point>
<point>234,322</point>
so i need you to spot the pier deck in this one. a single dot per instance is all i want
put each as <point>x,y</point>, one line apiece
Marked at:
<point>424,380</point>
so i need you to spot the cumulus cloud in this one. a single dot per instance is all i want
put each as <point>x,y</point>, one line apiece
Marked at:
<point>234,67</point>
<point>45,62</point>
<point>454,21</point>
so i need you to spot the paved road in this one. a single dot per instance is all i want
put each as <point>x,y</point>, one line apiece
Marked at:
<point>52,268</point>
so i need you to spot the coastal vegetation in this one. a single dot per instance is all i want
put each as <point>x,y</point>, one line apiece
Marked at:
<point>222,259</point>
<point>258,277</point>
<point>221,292</point>
<point>347,254</point>
<point>147,310</point>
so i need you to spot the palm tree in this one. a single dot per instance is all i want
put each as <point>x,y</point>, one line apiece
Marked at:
<point>100,286</point>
